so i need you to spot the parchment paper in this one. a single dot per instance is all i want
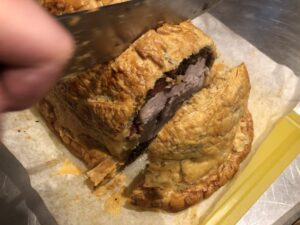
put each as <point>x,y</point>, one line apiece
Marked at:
<point>274,93</point>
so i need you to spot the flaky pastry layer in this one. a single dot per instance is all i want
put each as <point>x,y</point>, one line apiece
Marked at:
<point>201,147</point>
<point>60,7</point>
<point>107,98</point>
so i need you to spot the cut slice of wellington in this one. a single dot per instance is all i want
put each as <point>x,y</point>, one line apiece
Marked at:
<point>201,147</point>
<point>108,115</point>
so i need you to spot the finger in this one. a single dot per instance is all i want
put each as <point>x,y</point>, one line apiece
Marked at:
<point>34,49</point>
<point>22,87</point>
<point>29,36</point>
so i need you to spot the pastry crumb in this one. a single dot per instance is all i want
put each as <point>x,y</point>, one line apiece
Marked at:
<point>117,182</point>
<point>100,191</point>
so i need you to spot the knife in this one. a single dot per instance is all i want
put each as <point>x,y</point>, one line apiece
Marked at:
<point>103,34</point>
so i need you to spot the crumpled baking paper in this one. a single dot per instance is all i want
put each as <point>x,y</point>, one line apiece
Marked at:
<point>274,93</point>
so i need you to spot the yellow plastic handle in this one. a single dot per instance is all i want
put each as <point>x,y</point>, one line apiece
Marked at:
<point>272,157</point>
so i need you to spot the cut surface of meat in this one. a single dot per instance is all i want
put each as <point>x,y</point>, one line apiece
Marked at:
<point>201,147</point>
<point>163,105</point>
<point>168,94</point>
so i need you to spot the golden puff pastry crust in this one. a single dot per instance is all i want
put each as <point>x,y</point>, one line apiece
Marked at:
<point>107,98</point>
<point>60,7</point>
<point>69,128</point>
<point>201,147</point>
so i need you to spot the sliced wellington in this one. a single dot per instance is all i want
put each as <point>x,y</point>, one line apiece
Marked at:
<point>109,114</point>
<point>201,147</point>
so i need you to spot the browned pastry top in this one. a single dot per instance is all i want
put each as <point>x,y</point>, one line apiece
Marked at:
<point>108,97</point>
<point>203,135</point>
<point>193,155</point>
<point>59,7</point>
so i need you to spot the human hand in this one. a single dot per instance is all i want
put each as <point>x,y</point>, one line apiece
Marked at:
<point>34,49</point>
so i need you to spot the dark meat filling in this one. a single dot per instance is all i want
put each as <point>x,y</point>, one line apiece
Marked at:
<point>167,95</point>
<point>163,105</point>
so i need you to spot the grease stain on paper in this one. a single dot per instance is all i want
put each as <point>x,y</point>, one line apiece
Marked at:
<point>114,203</point>
<point>68,168</point>
<point>116,199</point>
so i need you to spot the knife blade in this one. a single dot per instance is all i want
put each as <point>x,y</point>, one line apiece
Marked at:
<point>103,34</point>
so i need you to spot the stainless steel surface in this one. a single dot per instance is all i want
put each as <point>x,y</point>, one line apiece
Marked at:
<point>280,204</point>
<point>273,26</point>
<point>13,207</point>
<point>103,34</point>
<point>19,202</point>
